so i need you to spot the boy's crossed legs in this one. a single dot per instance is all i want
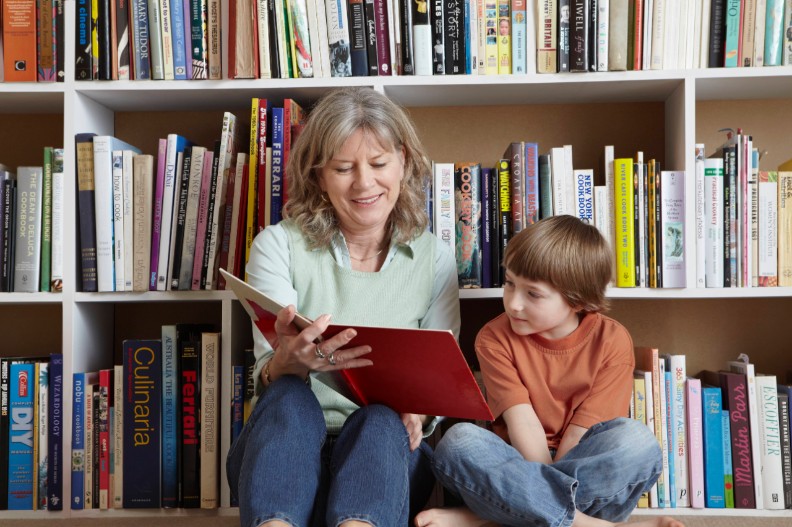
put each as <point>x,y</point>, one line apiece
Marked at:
<point>597,483</point>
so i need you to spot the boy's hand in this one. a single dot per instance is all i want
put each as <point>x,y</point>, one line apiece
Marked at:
<point>414,425</point>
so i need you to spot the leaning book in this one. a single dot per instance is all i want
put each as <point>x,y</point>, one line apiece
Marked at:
<point>419,371</point>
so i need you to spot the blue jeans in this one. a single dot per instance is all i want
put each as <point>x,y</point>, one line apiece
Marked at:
<point>603,476</point>
<point>284,466</point>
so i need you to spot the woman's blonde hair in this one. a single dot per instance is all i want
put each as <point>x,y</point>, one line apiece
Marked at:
<point>337,116</point>
<point>568,254</point>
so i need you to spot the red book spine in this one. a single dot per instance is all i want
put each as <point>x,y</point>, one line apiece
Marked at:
<point>383,37</point>
<point>735,398</point>
<point>263,212</point>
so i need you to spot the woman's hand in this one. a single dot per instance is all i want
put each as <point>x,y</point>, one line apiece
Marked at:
<point>297,352</point>
<point>414,425</point>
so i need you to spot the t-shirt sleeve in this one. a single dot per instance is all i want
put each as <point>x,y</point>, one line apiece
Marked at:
<point>501,380</point>
<point>612,387</point>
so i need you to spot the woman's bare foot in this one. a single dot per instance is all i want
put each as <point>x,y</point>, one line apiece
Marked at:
<point>663,521</point>
<point>455,517</point>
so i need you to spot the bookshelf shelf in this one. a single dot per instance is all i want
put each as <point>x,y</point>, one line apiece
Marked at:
<point>615,293</point>
<point>154,296</point>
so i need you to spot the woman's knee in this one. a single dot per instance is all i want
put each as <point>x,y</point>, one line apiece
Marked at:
<point>287,398</point>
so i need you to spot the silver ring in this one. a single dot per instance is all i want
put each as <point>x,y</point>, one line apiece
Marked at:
<point>331,359</point>
<point>318,352</point>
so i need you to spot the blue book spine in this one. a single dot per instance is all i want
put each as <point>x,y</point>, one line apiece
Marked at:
<point>55,439</point>
<point>187,36</point>
<point>467,36</point>
<point>531,171</point>
<point>170,466</point>
<point>276,197</point>
<point>142,403</point>
<point>237,408</point>
<point>671,438</point>
<point>486,227</point>
<point>712,408</point>
<point>140,34</point>
<point>20,447</point>
<point>78,442</point>
<point>728,471</point>
<point>177,32</point>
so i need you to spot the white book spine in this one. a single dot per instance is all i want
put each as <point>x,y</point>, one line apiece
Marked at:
<point>603,10</point>
<point>263,34</point>
<point>672,225</point>
<point>530,38</point>
<point>224,165</point>
<point>444,203</point>
<point>705,34</point>
<point>713,221</point>
<point>313,33</point>
<point>57,220</point>
<point>768,226</point>
<point>167,39</point>
<point>770,439</point>
<point>168,193</point>
<point>473,23</point>
<point>174,223</point>
<point>646,52</point>
<point>324,44</point>
<point>700,216</point>
<point>127,192</point>
<point>422,44</point>
<point>569,180</point>
<point>558,169</point>
<point>694,51</point>
<point>394,33</point>
<point>609,177</point>
<point>670,35</point>
<point>191,218</point>
<point>103,205</point>
<point>338,38</point>
<point>281,29</point>
<point>601,210</point>
<point>118,219</point>
<point>584,194</point>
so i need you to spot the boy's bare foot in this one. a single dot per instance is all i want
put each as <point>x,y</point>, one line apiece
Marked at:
<point>455,517</point>
<point>663,521</point>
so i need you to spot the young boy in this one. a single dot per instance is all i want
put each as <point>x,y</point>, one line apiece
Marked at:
<point>558,376</point>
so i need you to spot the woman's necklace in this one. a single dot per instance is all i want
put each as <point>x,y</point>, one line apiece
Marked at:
<point>367,257</point>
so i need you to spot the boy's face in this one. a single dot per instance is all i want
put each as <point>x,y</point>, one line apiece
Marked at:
<point>536,308</point>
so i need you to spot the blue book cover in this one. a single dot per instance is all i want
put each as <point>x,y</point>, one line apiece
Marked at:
<point>20,444</point>
<point>531,188</point>
<point>237,401</point>
<point>55,439</point>
<point>178,34</point>
<point>712,408</point>
<point>170,421</point>
<point>140,34</point>
<point>728,470</point>
<point>276,196</point>
<point>78,441</point>
<point>486,227</point>
<point>142,363</point>
<point>466,35</point>
<point>671,437</point>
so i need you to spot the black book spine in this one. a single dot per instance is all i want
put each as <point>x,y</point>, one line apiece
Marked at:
<point>786,448</point>
<point>407,53</point>
<point>82,45</point>
<point>4,429</point>
<point>357,37</point>
<point>210,213</point>
<point>438,37</point>
<point>103,37</point>
<point>578,36</point>
<point>454,38</point>
<point>717,36</point>
<point>190,439</point>
<point>728,166</point>
<point>657,219</point>
<point>371,37</point>
<point>564,10</point>
<point>591,41</point>
<point>60,40</point>
<point>181,215</point>
<point>274,43</point>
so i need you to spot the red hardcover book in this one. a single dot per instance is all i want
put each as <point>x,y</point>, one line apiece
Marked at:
<point>105,402</point>
<point>418,371</point>
<point>19,40</point>
<point>261,161</point>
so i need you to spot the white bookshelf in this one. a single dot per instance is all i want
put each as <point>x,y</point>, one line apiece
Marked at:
<point>460,106</point>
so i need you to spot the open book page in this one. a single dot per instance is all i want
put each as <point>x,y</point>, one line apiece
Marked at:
<point>420,371</point>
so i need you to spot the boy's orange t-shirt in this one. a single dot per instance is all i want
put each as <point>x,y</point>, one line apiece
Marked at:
<point>583,379</point>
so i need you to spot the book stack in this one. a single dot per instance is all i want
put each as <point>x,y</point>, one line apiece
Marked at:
<point>31,438</point>
<point>145,432</point>
<point>725,434</point>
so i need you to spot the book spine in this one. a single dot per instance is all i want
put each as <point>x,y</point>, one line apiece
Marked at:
<point>486,226</point>
<point>190,424</point>
<point>578,35</point>
<point>714,221</point>
<point>768,229</point>
<point>203,211</point>
<point>178,36</point>
<point>505,228</point>
<point>519,37</point>
<point>86,205</point>
<point>732,35</point>
<point>28,229</point>
<point>770,442</point>
<point>786,447</point>
<point>82,45</point>
<point>531,170</point>
<point>357,36</point>
<point>103,203</point>
<point>673,228</point>
<point>19,40</point>
<point>504,37</point>
<point>210,370</point>
<point>180,213</point>
<point>56,259</point>
<point>383,36</point>
<point>103,424</point>
<point>142,396</point>
<point>701,252</point>
<point>712,430</point>
<point>45,264</point>
<point>695,443</point>
<point>78,441</point>
<point>170,434</point>
<point>117,454</point>
<point>736,392</point>
<point>193,196</point>
<point>9,239</point>
<point>774,33</point>
<point>784,229</point>
<point>127,197</point>
<point>54,484</point>
<point>516,156</point>
<point>141,43</point>
<point>143,190</point>
<point>584,198</point>
<point>338,37</point>
<point>276,195</point>
<point>444,203</point>
<point>212,206</point>
<point>547,37</point>
<point>122,17</point>
<point>671,437</point>
<point>260,189</point>
<point>20,445</point>
<point>728,468</point>
<point>467,178</point>
<point>117,204</point>
<point>625,231</point>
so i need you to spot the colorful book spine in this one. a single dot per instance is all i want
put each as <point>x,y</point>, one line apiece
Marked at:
<point>22,382</point>
<point>487,230</point>
<point>276,196</point>
<point>142,361</point>
<point>695,442</point>
<point>190,371</point>
<point>531,169</point>
<point>735,390</point>
<point>103,427</point>
<point>714,221</point>
<point>178,35</point>
<point>712,429</point>
<point>625,230</point>
<point>46,222</point>
<point>584,195</point>
<point>55,440</point>
<point>78,441</point>
<point>728,467</point>
<point>671,438</point>
<point>170,422</point>
<point>672,228</point>
<point>733,19</point>
<point>467,192</point>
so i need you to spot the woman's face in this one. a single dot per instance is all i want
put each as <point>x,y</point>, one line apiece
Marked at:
<point>362,181</point>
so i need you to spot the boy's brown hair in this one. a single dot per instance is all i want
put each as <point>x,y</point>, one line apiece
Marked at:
<point>568,254</point>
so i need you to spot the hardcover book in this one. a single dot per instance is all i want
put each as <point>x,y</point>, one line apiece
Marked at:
<point>27,267</point>
<point>467,197</point>
<point>21,463</point>
<point>406,376</point>
<point>712,429</point>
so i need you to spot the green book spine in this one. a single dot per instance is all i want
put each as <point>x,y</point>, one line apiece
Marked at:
<point>46,222</point>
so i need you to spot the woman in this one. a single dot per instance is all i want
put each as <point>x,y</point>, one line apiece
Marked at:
<point>353,246</point>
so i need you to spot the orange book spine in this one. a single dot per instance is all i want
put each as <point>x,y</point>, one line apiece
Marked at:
<point>19,40</point>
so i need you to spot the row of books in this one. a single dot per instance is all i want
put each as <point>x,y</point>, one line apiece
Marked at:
<point>145,432</point>
<point>725,435</point>
<point>640,209</point>
<point>618,35</point>
<point>141,39</point>
<point>32,42</point>
<point>743,217</point>
<point>31,228</point>
<point>31,438</point>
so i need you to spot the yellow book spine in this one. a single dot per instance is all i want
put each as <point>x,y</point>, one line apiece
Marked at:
<point>785,229</point>
<point>639,405</point>
<point>504,37</point>
<point>250,221</point>
<point>625,231</point>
